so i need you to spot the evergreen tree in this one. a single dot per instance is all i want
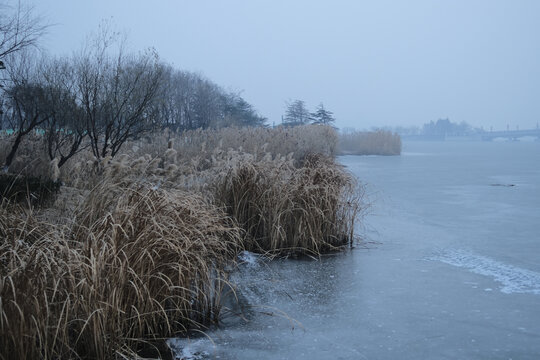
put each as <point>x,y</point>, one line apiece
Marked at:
<point>322,116</point>
<point>296,114</point>
<point>237,111</point>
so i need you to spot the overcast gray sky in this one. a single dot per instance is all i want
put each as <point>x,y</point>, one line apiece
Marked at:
<point>372,63</point>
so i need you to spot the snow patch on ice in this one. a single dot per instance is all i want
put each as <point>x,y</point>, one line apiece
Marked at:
<point>512,278</point>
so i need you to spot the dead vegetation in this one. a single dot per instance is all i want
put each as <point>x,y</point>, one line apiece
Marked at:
<point>127,274</point>
<point>378,142</point>
<point>285,209</point>
<point>134,248</point>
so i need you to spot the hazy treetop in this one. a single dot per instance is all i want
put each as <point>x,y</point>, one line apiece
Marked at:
<point>372,63</point>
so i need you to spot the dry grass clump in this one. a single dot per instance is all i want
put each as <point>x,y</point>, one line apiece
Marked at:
<point>133,271</point>
<point>35,287</point>
<point>133,250</point>
<point>156,258</point>
<point>380,142</point>
<point>31,158</point>
<point>202,144</point>
<point>162,154</point>
<point>18,188</point>
<point>284,209</point>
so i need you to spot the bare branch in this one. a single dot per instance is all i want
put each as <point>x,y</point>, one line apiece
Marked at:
<point>19,28</point>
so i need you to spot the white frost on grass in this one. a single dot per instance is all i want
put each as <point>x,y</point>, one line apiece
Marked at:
<point>512,278</point>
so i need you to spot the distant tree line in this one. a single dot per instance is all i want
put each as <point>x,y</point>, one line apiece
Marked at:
<point>103,96</point>
<point>446,127</point>
<point>296,113</point>
<point>441,127</point>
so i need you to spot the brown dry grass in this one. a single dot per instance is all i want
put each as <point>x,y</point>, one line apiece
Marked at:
<point>31,157</point>
<point>379,142</point>
<point>191,151</point>
<point>134,249</point>
<point>284,209</point>
<point>134,270</point>
<point>298,141</point>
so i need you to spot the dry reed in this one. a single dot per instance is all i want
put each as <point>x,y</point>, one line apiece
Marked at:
<point>31,158</point>
<point>35,287</point>
<point>133,271</point>
<point>379,142</point>
<point>134,248</point>
<point>200,144</point>
<point>284,209</point>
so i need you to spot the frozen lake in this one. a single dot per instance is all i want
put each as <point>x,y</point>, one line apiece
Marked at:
<point>450,269</point>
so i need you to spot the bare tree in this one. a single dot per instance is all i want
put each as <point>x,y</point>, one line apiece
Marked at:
<point>132,89</point>
<point>206,103</point>
<point>65,129</point>
<point>116,92</point>
<point>184,93</point>
<point>163,113</point>
<point>188,101</point>
<point>19,28</point>
<point>25,101</point>
<point>40,97</point>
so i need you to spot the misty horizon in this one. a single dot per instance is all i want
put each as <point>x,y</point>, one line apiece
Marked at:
<point>371,64</point>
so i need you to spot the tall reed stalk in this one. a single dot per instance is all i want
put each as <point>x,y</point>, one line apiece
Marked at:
<point>133,249</point>
<point>284,209</point>
<point>148,267</point>
<point>379,142</point>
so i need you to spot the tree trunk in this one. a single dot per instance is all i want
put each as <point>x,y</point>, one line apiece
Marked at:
<point>14,147</point>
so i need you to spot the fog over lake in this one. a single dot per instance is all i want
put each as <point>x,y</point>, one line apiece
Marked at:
<point>376,63</point>
<point>236,179</point>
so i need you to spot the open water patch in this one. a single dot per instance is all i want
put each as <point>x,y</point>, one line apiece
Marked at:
<point>513,279</point>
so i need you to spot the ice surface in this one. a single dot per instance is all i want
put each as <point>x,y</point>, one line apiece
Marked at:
<point>477,297</point>
<point>189,349</point>
<point>512,278</point>
<point>249,259</point>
